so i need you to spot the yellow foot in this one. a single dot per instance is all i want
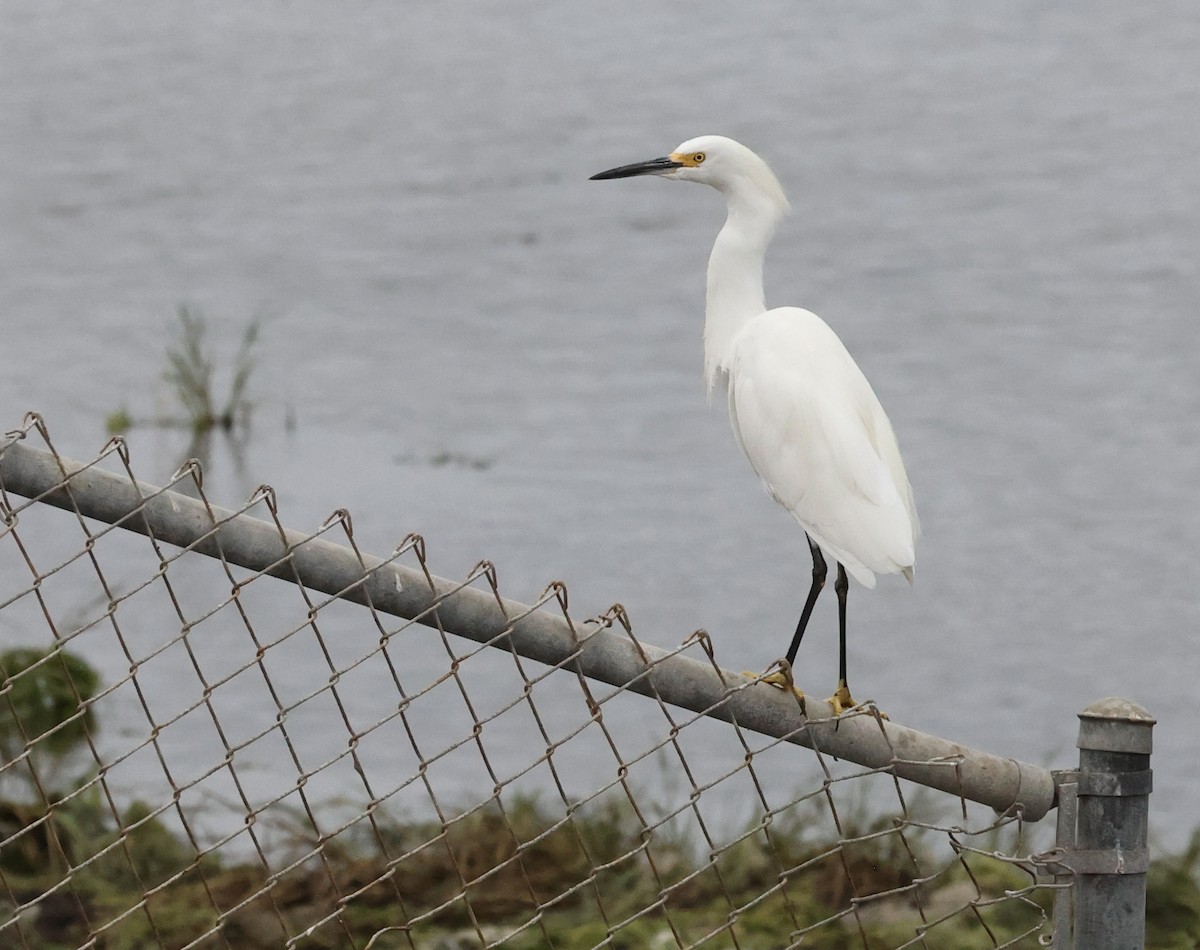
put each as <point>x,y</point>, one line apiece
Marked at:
<point>842,701</point>
<point>783,680</point>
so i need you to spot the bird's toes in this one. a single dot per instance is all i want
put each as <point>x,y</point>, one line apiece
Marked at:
<point>841,702</point>
<point>781,680</point>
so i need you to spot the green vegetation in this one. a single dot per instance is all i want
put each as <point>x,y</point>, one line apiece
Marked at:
<point>191,368</point>
<point>524,873</point>
<point>191,375</point>
<point>42,704</point>
<point>1173,899</point>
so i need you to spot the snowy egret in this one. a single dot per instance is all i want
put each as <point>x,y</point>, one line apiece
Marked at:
<point>801,409</point>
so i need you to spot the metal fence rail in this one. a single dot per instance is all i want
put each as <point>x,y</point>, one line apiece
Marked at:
<point>424,792</point>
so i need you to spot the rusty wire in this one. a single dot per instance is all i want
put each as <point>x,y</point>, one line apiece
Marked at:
<point>446,810</point>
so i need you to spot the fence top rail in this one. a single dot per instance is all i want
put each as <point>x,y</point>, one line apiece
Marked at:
<point>591,648</point>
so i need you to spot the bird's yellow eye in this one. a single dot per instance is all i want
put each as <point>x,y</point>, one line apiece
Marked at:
<point>698,158</point>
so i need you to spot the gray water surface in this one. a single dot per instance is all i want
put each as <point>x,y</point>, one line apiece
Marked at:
<point>997,208</point>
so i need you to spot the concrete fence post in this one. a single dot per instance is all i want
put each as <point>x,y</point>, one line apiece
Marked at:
<point>1105,845</point>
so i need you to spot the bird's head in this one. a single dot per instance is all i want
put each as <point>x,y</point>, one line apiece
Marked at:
<point>713,160</point>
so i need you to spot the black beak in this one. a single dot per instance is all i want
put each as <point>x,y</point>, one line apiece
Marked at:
<point>656,166</point>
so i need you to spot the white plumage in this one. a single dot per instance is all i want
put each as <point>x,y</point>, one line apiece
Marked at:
<point>815,433</point>
<point>801,409</point>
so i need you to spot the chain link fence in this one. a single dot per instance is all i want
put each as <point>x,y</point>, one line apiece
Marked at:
<point>219,732</point>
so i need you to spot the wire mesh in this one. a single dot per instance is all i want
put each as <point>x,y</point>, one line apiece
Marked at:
<point>200,755</point>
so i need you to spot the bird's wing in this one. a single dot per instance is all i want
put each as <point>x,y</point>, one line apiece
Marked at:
<point>815,433</point>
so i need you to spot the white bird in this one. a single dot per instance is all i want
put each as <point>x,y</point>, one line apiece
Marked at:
<point>801,409</point>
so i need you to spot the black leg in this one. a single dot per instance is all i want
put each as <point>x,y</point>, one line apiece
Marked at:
<point>841,586</point>
<point>818,581</point>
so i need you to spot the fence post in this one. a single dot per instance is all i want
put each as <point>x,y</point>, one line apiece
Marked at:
<point>1109,854</point>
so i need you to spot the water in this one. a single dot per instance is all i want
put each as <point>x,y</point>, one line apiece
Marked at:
<point>997,209</point>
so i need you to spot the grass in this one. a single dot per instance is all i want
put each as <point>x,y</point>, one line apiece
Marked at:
<point>525,877</point>
<point>523,873</point>
<point>193,369</point>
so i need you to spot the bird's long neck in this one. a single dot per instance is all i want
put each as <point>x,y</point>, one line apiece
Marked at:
<point>735,276</point>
